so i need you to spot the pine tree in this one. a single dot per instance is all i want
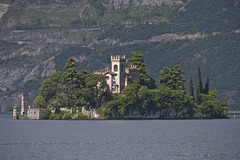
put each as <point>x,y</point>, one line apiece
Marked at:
<point>206,88</point>
<point>70,63</point>
<point>138,60</point>
<point>191,87</point>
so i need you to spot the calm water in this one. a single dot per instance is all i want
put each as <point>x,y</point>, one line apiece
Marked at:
<point>119,139</point>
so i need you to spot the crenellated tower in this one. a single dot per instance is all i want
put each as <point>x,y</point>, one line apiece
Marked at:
<point>118,64</point>
<point>119,76</point>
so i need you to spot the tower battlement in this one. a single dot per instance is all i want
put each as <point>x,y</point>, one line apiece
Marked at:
<point>134,67</point>
<point>102,71</point>
<point>118,57</point>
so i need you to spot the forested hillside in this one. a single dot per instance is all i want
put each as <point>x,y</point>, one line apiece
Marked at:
<point>37,37</point>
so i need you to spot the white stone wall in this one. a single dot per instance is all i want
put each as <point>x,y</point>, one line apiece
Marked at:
<point>35,113</point>
<point>90,113</point>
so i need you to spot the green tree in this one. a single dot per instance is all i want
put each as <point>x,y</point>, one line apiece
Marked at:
<point>198,87</point>
<point>57,77</point>
<point>46,114</point>
<point>211,107</point>
<point>122,103</point>
<point>138,60</point>
<point>199,81</point>
<point>172,78</point>
<point>70,64</point>
<point>40,102</point>
<point>70,83</point>
<point>191,87</point>
<point>99,87</point>
<point>48,89</point>
<point>183,87</point>
<point>147,98</point>
<point>206,88</point>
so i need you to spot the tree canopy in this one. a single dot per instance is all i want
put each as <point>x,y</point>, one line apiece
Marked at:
<point>172,77</point>
<point>138,60</point>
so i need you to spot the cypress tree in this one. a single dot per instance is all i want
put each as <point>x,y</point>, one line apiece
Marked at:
<point>191,87</point>
<point>197,92</point>
<point>206,88</point>
<point>199,81</point>
<point>183,87</point>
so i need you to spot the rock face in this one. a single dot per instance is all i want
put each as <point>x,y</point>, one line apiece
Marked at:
<point>45,69</point>
<point>170,113</point>
<point>119,4</point>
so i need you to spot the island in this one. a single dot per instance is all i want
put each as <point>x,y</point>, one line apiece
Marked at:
<point>124,91</point>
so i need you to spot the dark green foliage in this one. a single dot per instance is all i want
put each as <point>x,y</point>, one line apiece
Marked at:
<point>172,78</point>
<point>67,115</point>
<point>70,64</point>
<point>199,81</point>
<point>46,114</point>
<point>147,98</point>
<point>146,101</point>
<point>183,87</point>
<point>98,87</point>
<point>80,116</point>
<point>40,101</point>
<point>191,88</point>
<point>138,60</point>
<point>123,103</point>
<point>48,89</point>
<point>206,88</point>
<point>211,107</point>
<point>198,87</point>
<point>73,89</point>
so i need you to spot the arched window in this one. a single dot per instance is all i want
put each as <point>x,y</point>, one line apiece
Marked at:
<point>115,68</point>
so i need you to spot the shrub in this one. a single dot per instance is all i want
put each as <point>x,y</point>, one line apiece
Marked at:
<point>81,116</point>
<point>67,115</point>
<point>46,114</point>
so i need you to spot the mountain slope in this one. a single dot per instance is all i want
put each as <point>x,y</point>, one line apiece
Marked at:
<point>37,38</point>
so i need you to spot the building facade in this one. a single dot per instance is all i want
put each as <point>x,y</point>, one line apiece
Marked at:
<point>35,113</point>
<point>119,76</point>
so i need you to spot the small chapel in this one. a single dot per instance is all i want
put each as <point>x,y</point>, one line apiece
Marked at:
<point>119,76</point>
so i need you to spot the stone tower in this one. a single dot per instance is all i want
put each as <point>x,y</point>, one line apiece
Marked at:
<point>15,113</point>
<point>118,66</point>
<point>22,102</point>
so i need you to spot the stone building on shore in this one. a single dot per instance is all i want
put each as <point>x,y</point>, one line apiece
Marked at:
<point>32,113</point>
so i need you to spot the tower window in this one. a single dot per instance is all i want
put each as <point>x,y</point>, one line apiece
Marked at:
<point>122,68</point>
<point>115,68</point>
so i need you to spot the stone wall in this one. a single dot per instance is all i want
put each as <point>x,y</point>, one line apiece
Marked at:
<point>90,113</point>
<point>35,113</point>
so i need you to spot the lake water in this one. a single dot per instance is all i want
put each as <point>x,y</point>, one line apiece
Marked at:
<point>119,139</point>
